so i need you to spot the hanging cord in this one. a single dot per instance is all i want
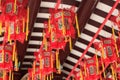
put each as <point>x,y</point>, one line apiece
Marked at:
<point>77,25</point>
<point>114,37</point>
<point>81,75</point>
<point>27,23</point>
<point>103,57</point>
<point>0,27</point>
<point>58,4</point>
<point>97,63</point>
<point>15,6</point>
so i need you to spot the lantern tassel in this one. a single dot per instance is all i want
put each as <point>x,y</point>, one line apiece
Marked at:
<point>102,53</point>
<point>26,31</point>
<point>81,76</point>
<point>63,26</point>
<point>47,77</point>
<point>23,25</point>
<point>16,63</point>
<point>59,70</point>
<point>4,75</point>
<point>45,44</point>
<point>40,63</point>
<point>97,65</point>
<point>10,41</point>
<point>103,56</point>
<point>17,32</point>
<point>8,33</point>
<point>28,14</point>
<point>13,56</point>
<point>70,41</point>
<point>115,75</point>
<point>32,75</point>
<point>49,26</point>
<point>100,77</point>
<point>52,76</point>
<point>103,69</point>
<point>44,77</point>
<point>114,37</point>
<point>10,75</point>
<point>27,24</point>
<point>77,25</point>
<point>40,76</point>
<point>15,60</point>
<point>112,72</point>
<point>15,6</point>
<point>57,59</point>
<point>34,63</point>
<point>0,2</point>
<point>44,41</point>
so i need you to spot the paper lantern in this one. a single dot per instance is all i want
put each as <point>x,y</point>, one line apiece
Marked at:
<point>109,45</point>
<point>91,68</point>
<point>62,19</point>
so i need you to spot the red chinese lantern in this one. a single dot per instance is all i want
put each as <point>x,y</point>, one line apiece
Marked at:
<point>91,68</point>
<point>48,62</point>
<point>6,60</point>
<point>6,57</point>
<point>20,36</point>
<point>109,45</point>
<point>58,31</point>
<point>62,20</point>
<point>15,15</point>
<point>8,49</point>
<point>56,40</point>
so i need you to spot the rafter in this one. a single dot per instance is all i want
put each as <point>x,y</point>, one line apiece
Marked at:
<point>85,11</point>
<point>21,48</point>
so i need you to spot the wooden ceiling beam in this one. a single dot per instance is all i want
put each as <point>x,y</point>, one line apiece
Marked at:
<point>85,11</point>
<point>34,7</point>
<point>68,2</point>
